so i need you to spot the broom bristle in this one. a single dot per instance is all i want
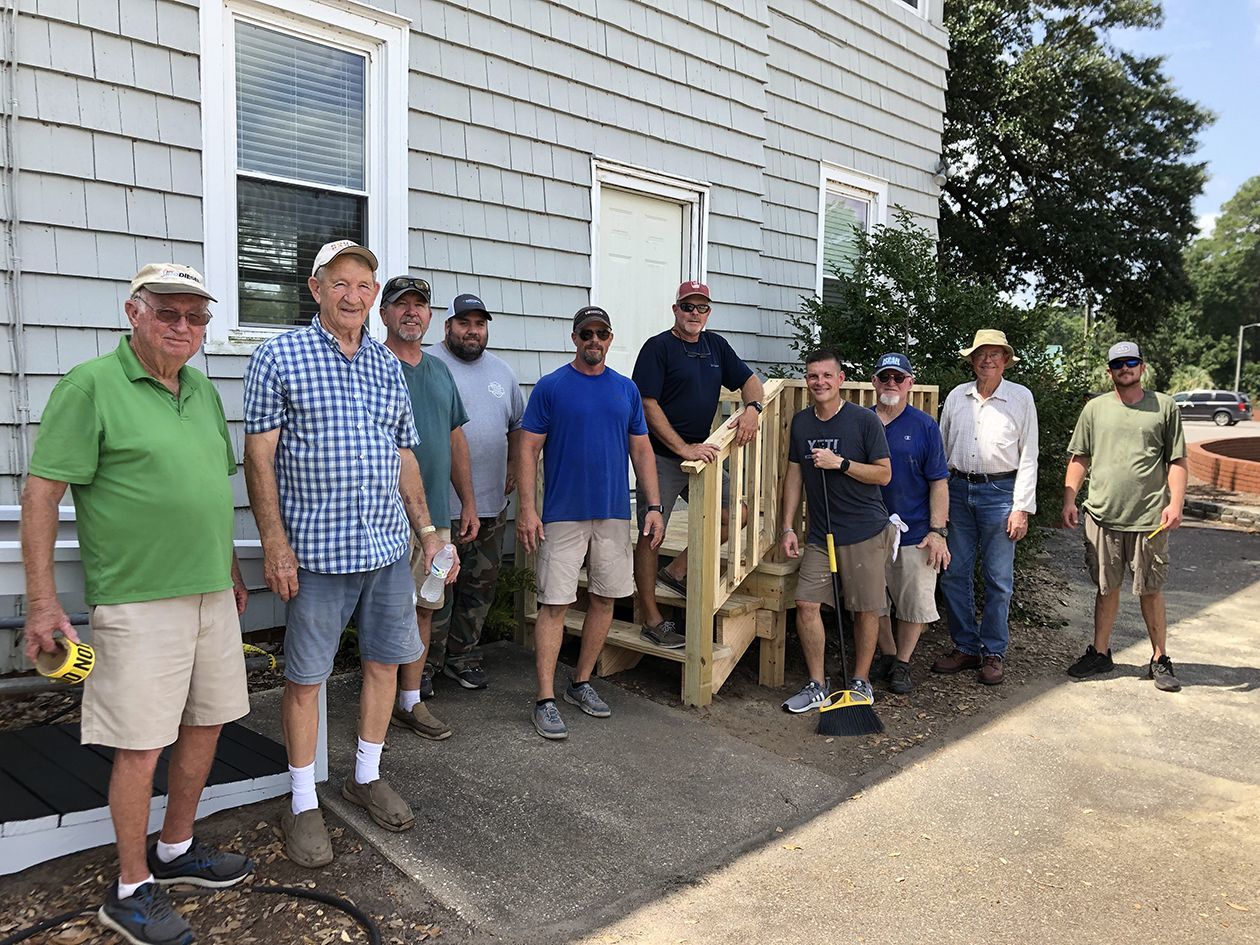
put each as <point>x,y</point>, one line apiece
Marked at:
<point>849,720</point>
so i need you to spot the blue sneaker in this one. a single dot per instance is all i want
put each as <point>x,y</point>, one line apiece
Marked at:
<point>145,918</point>
<point>584,696</point>
<point>813,695</point>
<point>548,722</point>
<point>201,865</point>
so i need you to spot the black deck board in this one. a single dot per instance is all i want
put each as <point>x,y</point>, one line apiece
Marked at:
<point>18,803</point>
<point>55,783</point>
<point>59,746</point>
<point>259,744</point>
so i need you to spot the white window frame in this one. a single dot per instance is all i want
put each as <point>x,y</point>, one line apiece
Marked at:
<point>382,37</point>
<point>693,195</point>
<point>843,180</point>
<point>919,6</point>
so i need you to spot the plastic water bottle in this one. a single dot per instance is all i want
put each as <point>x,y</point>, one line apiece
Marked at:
<point>431,590</point>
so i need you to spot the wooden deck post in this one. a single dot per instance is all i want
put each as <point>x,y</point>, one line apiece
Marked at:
<point>703,555</point>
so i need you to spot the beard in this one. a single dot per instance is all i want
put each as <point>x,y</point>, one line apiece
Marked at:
<point>890,400</point>
<point>465,350</point>
<point>410,332</point>
<point>592,357</point>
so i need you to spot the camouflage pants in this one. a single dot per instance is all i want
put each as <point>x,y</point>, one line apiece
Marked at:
<point>457,626</point>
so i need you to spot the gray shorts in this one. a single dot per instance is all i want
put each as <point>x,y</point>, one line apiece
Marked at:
<point>382,603</point>
<point>673,481</point>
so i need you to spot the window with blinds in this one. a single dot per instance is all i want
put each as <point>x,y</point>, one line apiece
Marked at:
<point>845,212</point>
<point>301,157</point>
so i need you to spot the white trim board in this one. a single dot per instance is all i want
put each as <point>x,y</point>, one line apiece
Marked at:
<point>842,179</point>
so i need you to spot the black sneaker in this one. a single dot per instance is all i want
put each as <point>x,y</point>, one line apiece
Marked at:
<point>201,865</point>
<point>1162,673</point>
<point>1091,664</point>
<point>899,679</point>
<point>881,667</point>
<point>146,917</point>
<point>470,677</point>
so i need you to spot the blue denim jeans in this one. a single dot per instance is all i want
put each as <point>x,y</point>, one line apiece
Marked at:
<point>978,512</point>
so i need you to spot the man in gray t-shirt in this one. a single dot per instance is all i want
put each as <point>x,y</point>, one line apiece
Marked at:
<point>493,400</point>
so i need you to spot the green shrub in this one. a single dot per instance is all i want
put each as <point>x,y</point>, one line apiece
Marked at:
<point>501,621</point>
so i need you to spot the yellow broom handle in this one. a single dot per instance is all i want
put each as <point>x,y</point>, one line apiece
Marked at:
<point>831,550</point>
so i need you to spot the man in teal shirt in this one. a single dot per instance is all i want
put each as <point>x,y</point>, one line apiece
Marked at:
<point>443,456</point>
<point>141,440</point>
<point>1131,445</point>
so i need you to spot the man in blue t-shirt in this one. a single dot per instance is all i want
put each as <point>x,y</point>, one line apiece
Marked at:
<point>919,496</point>
<point>591,419</point>
<point>680,374</point>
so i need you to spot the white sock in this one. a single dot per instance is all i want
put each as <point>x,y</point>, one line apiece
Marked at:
<point>367,762</point>
<point>407,699</point>
<point>126,890</point>
<point>168,851</point>
<point>302,784</point>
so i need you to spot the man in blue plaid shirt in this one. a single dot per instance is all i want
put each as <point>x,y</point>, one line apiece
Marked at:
<point>334,485</point>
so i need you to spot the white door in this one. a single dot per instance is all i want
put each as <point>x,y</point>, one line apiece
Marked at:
<point>640,267</point>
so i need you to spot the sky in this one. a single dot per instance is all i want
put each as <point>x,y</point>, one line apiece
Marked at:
<point>1212,50</point>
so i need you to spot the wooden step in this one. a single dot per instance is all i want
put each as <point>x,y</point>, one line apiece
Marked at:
<point>736,605</point>
<point>626,635</point>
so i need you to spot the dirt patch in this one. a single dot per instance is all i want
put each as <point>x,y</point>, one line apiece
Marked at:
<point>241,915</point>
<point>1202,490</point>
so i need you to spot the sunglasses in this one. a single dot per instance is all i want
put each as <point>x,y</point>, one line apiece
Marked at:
<point>408,283</point>
<point>690,307</point>
<point>586,334</point>
<point>1119,363</point>
<point>168,316</point>
<point>891,377</point>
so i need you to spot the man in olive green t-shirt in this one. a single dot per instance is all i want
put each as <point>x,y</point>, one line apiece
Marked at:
<point>141,440</point>
<point>1131,445</point>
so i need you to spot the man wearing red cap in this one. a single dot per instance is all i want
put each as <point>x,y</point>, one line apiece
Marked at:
<point>680,374</point>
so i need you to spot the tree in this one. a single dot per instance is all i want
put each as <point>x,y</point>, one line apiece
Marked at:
<point>1070,157</point>
<point>1224,266</point>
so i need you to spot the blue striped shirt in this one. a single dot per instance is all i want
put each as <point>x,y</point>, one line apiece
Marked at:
<point>342,422</point>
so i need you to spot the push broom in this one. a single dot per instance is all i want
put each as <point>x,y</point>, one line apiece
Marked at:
<point>846,712</point>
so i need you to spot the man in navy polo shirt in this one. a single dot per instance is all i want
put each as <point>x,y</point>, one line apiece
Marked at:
<point>680,374</point>
<point>918,494</point>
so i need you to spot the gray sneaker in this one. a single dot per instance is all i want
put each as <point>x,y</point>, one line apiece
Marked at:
<point>584,696</point>
<point>548,722</point>
<point>146,917</point>
<point>812,696</point>
<point>863,687</point>
<point>899,679</point>
<point>664,634</point>
<point>1163,674</point>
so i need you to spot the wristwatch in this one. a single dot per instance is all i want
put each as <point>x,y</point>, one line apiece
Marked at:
<point>942,530</point>
<point>844,465</point>
<point>656,508</point>
<point>427,530</point>
<point>756,405</point>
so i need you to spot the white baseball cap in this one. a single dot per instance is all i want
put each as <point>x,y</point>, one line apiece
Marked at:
<point>330,251</point>
<point>1123,349</point>
<point>170,279</point>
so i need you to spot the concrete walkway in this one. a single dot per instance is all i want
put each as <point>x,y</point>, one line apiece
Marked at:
<point>1103,811</point>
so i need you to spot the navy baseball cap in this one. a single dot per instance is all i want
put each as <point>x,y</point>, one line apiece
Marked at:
<point>469,303</point>
<point>898,362</point>
<point>591,313</point>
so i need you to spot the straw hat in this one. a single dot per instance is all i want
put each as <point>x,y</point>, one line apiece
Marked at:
<point>990,336</point>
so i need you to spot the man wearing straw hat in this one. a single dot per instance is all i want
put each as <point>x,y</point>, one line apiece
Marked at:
<point>141,439</point>
<point>990,430</point>
<point>1132,448</point>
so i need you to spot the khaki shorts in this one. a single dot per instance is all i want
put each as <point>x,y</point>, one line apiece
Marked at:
<point>161,664</point>
<point>418,573</point>
<point>610,565</point>
<point>912,586</point>
<point>863,570</point>
<point>1109,553</point>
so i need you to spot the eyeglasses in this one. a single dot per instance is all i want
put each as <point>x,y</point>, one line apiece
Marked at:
<point>169,316</point>
<point>690,307</point>
<point>408,283</point>
<point>999,355</point>
<point>891,377</point>
<point>1119,363</point>
<point>586,334</point>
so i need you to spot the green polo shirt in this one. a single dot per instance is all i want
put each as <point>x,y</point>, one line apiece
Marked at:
<point>149,473</point>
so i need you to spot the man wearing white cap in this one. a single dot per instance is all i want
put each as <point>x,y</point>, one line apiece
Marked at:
<point>990,430</point>
<point>140,438</point>
<point>1133,450</point>
<point>333,484</point>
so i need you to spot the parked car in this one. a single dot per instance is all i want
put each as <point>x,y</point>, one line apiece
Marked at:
<point>1222,407</point>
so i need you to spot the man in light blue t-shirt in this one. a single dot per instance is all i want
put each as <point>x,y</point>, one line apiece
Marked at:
<point>591,419</point>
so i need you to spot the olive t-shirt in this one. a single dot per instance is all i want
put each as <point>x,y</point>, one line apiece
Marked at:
<point>149,473</point>
<point>1129,448</point>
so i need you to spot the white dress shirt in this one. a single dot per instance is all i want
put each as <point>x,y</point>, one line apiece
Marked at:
<point>996,434</point>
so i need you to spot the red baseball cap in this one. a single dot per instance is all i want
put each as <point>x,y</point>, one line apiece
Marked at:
<point>693,288</point>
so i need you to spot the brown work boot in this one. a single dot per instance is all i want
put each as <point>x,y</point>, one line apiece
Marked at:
<point>991,672</point>
<point>306,840</point>
<point>421,721</point>
<point>955,662</point>
<point>382,803</point>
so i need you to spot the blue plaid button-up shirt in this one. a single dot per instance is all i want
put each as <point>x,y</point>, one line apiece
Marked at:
<point>342,422</point>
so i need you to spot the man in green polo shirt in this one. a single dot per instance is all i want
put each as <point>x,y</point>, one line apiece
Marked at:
<point>141,440</point>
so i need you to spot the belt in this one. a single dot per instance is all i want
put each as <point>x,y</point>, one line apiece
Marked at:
<point>982,477</point>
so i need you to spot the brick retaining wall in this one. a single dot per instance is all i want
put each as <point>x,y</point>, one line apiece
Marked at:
<point>1233,465</point>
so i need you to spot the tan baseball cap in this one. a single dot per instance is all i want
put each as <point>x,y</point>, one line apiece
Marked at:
<point>170,279</point>
<point>330,251</point>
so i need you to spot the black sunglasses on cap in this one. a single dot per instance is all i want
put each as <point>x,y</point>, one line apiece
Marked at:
<point>1119,363</point>
<point>586,334</point>
<point>407,284</point>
